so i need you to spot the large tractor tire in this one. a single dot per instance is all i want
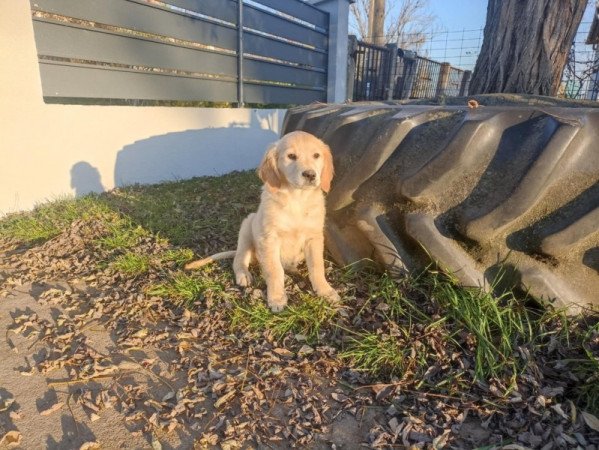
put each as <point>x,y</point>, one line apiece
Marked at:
<point>496,189</point>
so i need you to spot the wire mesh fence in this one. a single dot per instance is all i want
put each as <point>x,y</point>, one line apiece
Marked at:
<point>460,49</point>
<point>427,78</point>
<point>581,74</point>
<point>389,73</point>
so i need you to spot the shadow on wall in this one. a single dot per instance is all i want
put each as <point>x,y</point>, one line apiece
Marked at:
<point>193,153</point>
<point>85,179</point>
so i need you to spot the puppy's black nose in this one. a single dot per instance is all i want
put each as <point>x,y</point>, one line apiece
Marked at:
<point>310,175</point>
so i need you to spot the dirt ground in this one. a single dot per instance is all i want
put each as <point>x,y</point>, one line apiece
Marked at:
<point>43,407</point>
<point>98,354</point>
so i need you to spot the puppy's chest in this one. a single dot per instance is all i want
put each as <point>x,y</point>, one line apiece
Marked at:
<point>300,220</point>
<point>295,227</point>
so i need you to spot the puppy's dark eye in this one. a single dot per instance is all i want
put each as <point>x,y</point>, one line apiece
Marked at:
<point>292,156</point>
<point>316,155</point>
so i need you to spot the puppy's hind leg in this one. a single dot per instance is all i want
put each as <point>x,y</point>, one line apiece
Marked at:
<point>245,252</point>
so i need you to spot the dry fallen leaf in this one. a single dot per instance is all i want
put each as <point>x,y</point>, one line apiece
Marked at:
<point>382,391</point>
<point>224,399</point>
<point>51,409</point>
<point>15,415</point>
<point>5,404</point>
<point>90,446</point>
<point>156,445</point>
<point>591,420</point>
<point>12,438</point>
<point>339,397</point>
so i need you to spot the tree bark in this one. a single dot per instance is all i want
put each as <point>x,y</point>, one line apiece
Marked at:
<point>377,22</point>
<point>526,46</point>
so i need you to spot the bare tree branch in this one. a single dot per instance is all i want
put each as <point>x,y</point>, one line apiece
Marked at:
<point>407,22</point>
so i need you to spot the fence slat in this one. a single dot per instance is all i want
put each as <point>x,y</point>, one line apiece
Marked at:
<point>281,95</point>
<point>220,9</point>
<point>259,20</point>
<point>300,10</point>
<point>143,18</point>
<point>260,70</point>
<point>263,46</point>
<point>66,41</point>
<point>66,80</point>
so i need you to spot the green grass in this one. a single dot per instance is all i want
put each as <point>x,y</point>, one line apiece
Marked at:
<point>464,319</point>
<point>397,295</point>
<point>132,264</point>
<point>587,370</point>
<point>123,234</point>
<point>307,317</point>
<point>49,219</point>
<point>187,288</point>
<point>498,324</point>
<point>187,212</point>
<point>376,354</point>
<point>390,329</point>
<point>179,256</point>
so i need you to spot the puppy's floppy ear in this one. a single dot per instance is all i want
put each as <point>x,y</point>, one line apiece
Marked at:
<point>268,171</point>
<point>327,170</point>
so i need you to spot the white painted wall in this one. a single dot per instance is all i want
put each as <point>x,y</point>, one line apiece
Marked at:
<point>49,150</point>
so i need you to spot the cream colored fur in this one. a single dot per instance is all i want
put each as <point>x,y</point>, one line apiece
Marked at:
<point>288,226</point>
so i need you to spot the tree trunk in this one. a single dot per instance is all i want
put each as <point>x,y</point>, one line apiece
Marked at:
<point>526,46</point>
<point>376,22</point>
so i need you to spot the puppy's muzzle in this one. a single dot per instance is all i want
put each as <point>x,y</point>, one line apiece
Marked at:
<point>309,175</point>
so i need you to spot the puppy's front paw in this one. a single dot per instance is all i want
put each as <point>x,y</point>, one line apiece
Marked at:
<point>243,278</point>
<point>277,303</point>
<point>330,294</point>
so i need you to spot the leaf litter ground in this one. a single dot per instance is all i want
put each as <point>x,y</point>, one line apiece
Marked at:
<point>192,361</point>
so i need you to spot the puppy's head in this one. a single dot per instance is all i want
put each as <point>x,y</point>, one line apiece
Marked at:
<point>298,160</point>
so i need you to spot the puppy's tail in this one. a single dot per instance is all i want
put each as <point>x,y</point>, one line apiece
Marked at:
<point>210,259</point>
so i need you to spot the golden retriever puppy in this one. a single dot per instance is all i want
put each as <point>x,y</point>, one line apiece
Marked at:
<point>289,224</point>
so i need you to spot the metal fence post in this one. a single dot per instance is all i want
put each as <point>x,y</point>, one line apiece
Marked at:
<point>443,79</point>
<point>392,69</point>
<point>465,83</point>
<point>352,54</point>
<point>240,102</point>
<point>410,67</point>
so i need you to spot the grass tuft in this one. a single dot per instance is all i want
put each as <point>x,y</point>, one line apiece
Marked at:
<point>395,294</point>
<point>377,354</point>
<point>189,211</point>
<point>122,235</point>
<point>50,219</point>
<point>498,324</point>
<point>179,256</point>
<point>308,317</point>
<point>185,289</point>
<point>132,264</point>
<point>587,370</point>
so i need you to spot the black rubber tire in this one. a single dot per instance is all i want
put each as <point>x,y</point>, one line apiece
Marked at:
<point>510,189</point>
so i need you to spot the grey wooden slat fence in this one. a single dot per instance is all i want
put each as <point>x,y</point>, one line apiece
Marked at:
<point>181,50</point>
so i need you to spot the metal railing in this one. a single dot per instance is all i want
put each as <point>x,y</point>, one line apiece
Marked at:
<point>372,66</point>
<point>390,73</point>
